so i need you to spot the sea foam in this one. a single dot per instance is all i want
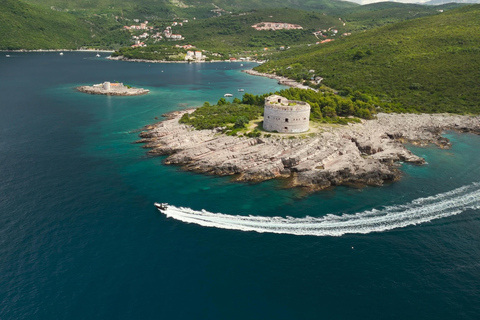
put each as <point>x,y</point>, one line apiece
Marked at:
<point>418,211</point>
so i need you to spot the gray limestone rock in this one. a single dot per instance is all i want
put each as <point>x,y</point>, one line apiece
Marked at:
<point>357,154</point>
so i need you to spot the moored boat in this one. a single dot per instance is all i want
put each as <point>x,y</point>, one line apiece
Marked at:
<point>228,95</point>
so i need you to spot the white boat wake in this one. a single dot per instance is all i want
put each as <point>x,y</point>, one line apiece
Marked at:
<point>416,212</point>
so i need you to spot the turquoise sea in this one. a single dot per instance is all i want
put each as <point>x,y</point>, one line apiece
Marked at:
<point>81,239</point>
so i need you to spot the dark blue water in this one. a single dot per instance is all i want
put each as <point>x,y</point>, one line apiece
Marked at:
<point>80,238</point>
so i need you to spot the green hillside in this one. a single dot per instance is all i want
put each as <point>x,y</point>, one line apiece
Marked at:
<point>233,35</point>
<point>378,14</point>
<point>430,64</point>
<point>170,9</point>
<point>25,26</point>
<point>296,4</point>
<point>235,32</point>
<point>99,24</point>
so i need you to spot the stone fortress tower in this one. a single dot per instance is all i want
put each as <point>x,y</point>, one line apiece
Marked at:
<point>287,116</point>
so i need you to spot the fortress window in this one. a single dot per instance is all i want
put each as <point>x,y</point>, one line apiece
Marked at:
<point>286,128</point>
<point>279,100</point>
<point>286,119</point>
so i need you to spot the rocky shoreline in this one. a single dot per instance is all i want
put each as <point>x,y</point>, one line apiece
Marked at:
<point>60,50</point>
<point>122,58</point>
<point>366,153</point>
<point>281,80</point>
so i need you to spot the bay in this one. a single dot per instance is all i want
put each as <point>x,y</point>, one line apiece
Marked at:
<point>80,238</point>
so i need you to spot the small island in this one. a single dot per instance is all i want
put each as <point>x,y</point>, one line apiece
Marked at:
<point>112,89</point>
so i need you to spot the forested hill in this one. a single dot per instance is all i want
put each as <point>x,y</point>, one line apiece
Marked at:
<point>58,24</point>
<point>236,32</point>
<point>24,26</point>
<point>378,14</point>
<point>27,26</point>
<point>171,9</point>
<point>431,64</point>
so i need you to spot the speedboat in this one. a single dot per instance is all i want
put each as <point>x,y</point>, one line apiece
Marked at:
<point>228,95</point>
<point>98,56</point>
<point>8,56</point>
<point>161,206</point>
<point>241,90</point>
<point>61,53</point>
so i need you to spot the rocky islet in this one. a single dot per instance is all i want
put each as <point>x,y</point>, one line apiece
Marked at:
<point>366,153</point>
<point>112,89</point>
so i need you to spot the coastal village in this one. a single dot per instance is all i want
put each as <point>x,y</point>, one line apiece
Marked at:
<point>166,34</point>
<point>143,34</point>
<point>150,33</point>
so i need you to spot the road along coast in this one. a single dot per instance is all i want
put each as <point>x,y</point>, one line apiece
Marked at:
<point>366,153</point>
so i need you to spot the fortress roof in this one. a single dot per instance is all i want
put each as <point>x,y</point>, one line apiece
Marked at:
<point>282,103</point>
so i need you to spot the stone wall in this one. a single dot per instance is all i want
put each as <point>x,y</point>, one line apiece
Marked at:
<point>283,115</point>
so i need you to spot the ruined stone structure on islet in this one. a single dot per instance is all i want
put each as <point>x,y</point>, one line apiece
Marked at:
<point>286,116</point>
<point>114,89</point>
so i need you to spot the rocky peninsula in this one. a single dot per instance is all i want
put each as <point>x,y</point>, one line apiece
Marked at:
<point>281,80</point>
<point>112,89</point>
<point>366,153</point>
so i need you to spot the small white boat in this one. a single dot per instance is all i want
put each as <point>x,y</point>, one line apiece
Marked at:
<point>228,95</point>
<point>241,65</point>
<point>61,53</point>
<point>8,56</point>
<point>98,56</point>
<point>161,206</point>
<point>241,90</point>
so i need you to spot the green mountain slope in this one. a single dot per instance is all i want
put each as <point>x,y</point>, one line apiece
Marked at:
<point>71,24</point>
<point>26,26</point>
<point>430,64</point>
<point>382,13</point>
<point>235,32</point>
<point>170,9</point>
<point>233,35</point>
<point>297,4</point>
